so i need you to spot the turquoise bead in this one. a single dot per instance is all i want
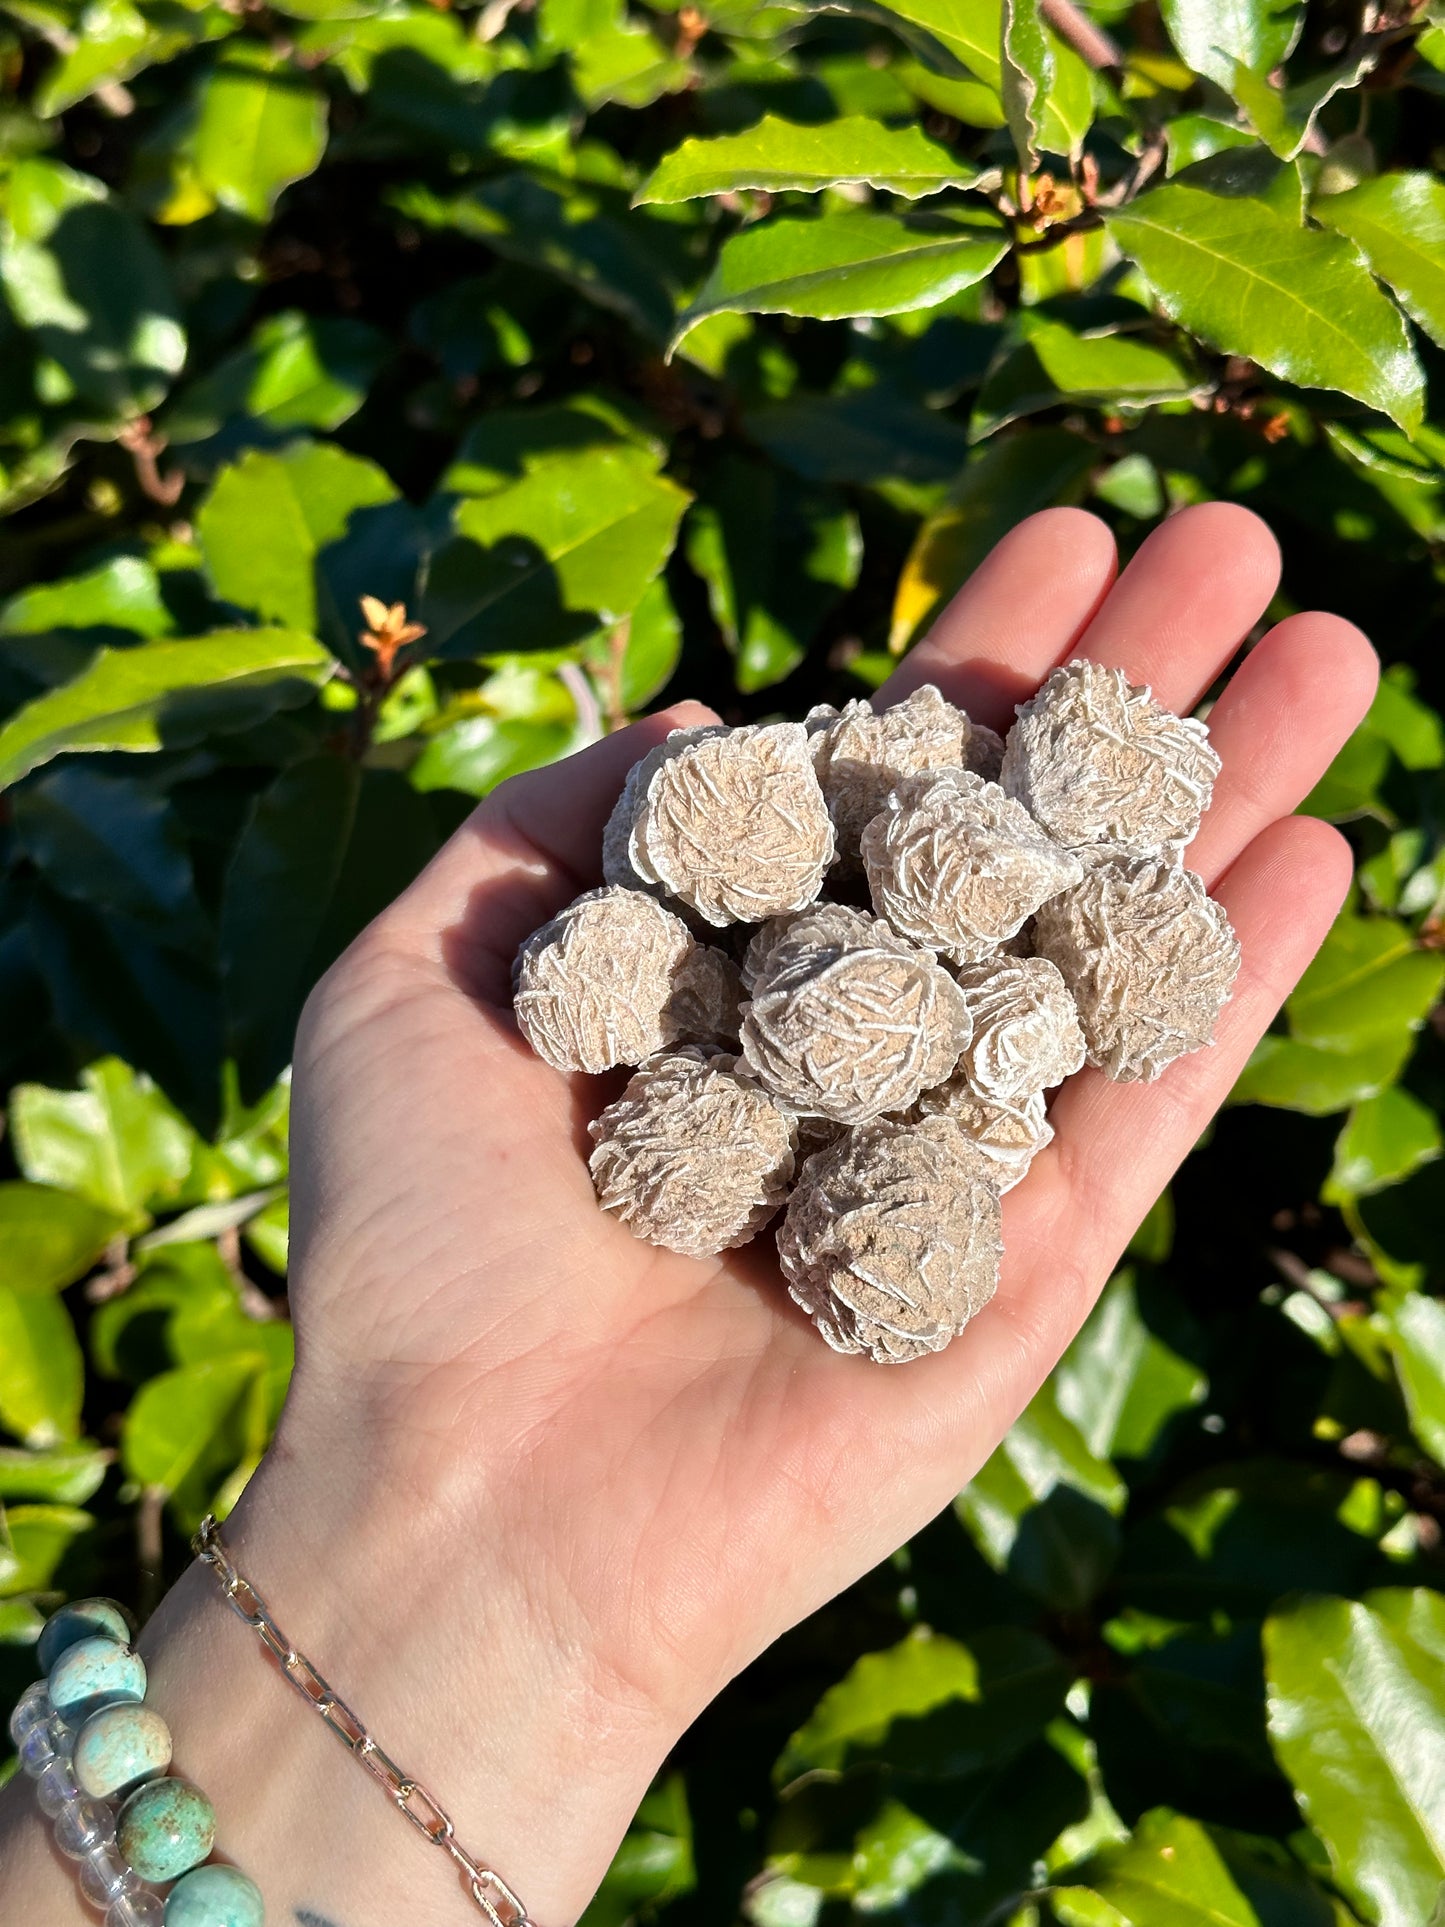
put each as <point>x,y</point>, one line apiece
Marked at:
<point>215,1896</point>
<point>94,1673</point>
<point>81,1619</point>
<point>120,1747</point>
<point>165,1828</point>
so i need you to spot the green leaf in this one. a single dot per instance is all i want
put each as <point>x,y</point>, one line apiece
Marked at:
<point>49,1238</point>
<point>932,1706</point>
<point>1301,1077</point>
<point>1371,981</point>
<point>998,488</point>
<point>581,236</point>
<point>1123,1380</point>
<point>266,523</point>
<point>89,283</point>
<point>1171,1873</point>
<point>117,1142</point>
<point>1357,1718</point>
<point>1026,72</point>
<point>110,841</point>
<point>1044,1507</point>
<point>1212,35</point>
<point>261,125</point>
<point>778,155</point>
<point>1416,1327</point>
<point>1385,1138</point>
<point>505,444</point>
<point>1048,364</point>
<point>1298,301</point>
<point>971,31</point>
<point>567,548</point>
<point>165,694</point>
<point>324,849</point>
<point>122,594</point>
<point>42,1373</point>
<point>1397,221</point>
<point>188,1429</point>
<point>844,263</point>
<point>775,558</point>
<point>39,1537</point>
<point>115,40</point>
<point>649,653</point>
<point>296,371</point>
<point>61,1475</point>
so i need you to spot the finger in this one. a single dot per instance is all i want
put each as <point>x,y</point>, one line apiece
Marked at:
<point>530,846</point>
<point>1117,1146</point>
<point>1186,602</point>
<point>1019,613</point>
<point>1283,717</point>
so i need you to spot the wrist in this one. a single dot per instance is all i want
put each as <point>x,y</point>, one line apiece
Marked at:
<point>464,1667</point>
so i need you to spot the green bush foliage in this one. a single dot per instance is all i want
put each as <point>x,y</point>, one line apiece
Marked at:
<point>705,350</point>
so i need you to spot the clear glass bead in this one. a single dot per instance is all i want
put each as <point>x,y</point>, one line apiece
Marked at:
<point>104,1876</point>
<point>56,1788</point>
<point>140,1909</point>
<point>83,1824</point>
<point>31,1709</point>
<point>62,1738</point>
<point>37,1749</point>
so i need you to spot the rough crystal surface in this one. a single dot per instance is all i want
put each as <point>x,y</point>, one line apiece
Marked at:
<point>846,1019</point>
<point>860,753</point>
<point>1026,1035</point>
<point>731,822</point>
<point>617,835</point>
<point>692,1156</point>
<point>613,978</point>
<point>1149,957</point>
<point>891,1240</point>
<point>955,864</point>
<point>1095,759</point>
<point>1010,1136</point>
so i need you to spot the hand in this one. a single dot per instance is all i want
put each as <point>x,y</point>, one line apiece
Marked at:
<point>658,1463</point>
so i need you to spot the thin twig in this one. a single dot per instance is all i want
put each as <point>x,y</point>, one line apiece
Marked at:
<point>1076,30</point>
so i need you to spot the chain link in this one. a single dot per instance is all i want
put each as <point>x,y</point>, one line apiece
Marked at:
<point>494,1899</point>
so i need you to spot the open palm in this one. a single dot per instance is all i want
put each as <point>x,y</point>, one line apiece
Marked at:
<point>663,1447</point>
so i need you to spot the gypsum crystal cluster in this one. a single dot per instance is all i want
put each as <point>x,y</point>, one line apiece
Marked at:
<point>880,1079</point>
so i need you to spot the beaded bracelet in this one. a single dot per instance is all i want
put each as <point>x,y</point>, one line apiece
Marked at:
<point>92,1747</point>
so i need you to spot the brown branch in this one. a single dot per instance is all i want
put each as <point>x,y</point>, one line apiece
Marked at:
<point>145,448</point>
<point>1076,30</point>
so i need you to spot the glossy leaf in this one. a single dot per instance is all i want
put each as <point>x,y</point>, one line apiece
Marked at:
<point>38,1538</point>
<point>115,1142</point>
<point>1043,1509</point>
<point>1385,1138</point>
<point>122,594</point>
<point>545,561</point>
<point>60,1475</point>
<point>774,557</point>
<point>1357,1717</point>
<point>844,264</point>
<point>1416,1327</point>
<point>165,694</point>
<point>42,1373</point>
<point>49,1238</point>
<point>932,1705</point>
<point>1026,74</point>
<point>88,282</point>
<point>1296,300</point>
<point>1212,38</point>
<point>778,155</point>
<point>997,488</point>
<point>1050,364</point>
<point>1397,221</point>
<point>1122,1380</point>
<point>267,521</point>
<point>261,126</point>
<point>187,1429</point>
<point>1301,1077</point>
<point>1172,1872</point>
<point>112,841</point>
<point>296,372</point>
<point>1370,982</point>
